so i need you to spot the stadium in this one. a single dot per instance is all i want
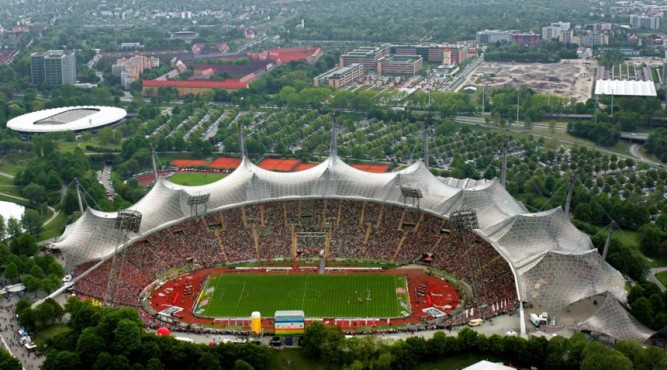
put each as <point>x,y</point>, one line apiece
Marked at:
<point>168,254</point>
<point>76,119</point>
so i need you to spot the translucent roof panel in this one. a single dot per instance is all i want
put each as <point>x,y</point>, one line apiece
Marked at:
<point>613,320</point>
<point>525,237</point>
<point>625,88</point>
<point>492,202</point>
<point>93,236</point>
<point>558,280</point>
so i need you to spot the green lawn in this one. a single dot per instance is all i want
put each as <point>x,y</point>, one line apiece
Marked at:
<point>7,186</point>
<point>366,295</point>
<point>293,358</point>
<point>53,228</point>
<point>49,333</point>
<point>194,178</point>
<point>12,164</point>
<point>662,277</point>
<point>69,146</point>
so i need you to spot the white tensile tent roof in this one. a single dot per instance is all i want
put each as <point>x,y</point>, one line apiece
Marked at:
<point>554,263</point>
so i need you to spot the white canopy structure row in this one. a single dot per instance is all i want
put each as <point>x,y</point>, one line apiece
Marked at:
<point>554,264</point>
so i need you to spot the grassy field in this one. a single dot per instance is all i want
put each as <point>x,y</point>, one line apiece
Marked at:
<point>194,179</point>
<point>366,295</point>
<point>53,228</point>
<point>662,277</point>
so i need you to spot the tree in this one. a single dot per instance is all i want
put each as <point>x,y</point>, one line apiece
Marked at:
<point>208,360</point>
<point>32,284</point>
<point>11,271</point>
<point>13,227</point>
<point>24,245</point>
<point>127,336</point>
<point>313,339</point>
<point>32,221</point>
<point>642,310</point>
<point>599,357</point>
<point>34,193</point>
<point>62,360</point>
<point>9,362</point>
<point>332,348</point>
<point>3,228</point>
<point>89,345</point>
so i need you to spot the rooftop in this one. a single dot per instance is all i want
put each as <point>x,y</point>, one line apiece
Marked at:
<point>198,84</point>
<point>625,88</point>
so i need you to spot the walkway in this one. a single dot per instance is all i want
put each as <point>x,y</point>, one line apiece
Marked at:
<point>651,277</point>
<point>54,212</point>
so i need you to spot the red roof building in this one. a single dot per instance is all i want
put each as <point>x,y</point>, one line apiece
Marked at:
<point>308,54</point>
<point>195,87</point>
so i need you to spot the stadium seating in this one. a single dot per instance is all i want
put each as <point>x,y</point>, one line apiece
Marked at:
<point>268,231</point>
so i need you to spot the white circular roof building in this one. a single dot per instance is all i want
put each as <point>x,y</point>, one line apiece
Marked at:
<point>63,119</point>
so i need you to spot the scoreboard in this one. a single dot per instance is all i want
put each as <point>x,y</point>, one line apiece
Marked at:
<point>289,323</point>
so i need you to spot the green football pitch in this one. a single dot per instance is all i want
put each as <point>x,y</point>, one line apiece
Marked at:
<point>358,295</point>
<point>194,178</point>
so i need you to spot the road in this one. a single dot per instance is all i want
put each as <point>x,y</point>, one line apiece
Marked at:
<point>634,150</point>
<point>104,178</point>
<point>512,127</point>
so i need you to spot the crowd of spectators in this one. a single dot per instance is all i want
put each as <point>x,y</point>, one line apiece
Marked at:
<point>353,229</point>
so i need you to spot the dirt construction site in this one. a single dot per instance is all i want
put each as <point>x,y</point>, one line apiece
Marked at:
<point>568,78</point>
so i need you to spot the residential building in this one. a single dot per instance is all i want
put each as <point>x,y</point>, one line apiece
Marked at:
<point>54,67</point>
<point>366,56</point>
<point>601,27</point>
<point>646,22</point>
<point>455,54</point>
<point>591,39</point>
<point>130,69</point>
<point>204,48</point>
<point>340,76</point>
<point>558,30</point>
<point>131,45</point>
<point>400,64</point>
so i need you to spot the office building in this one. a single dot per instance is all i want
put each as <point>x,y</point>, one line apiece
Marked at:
<point>525,38</point>
<point>54,67</point>
<point>400,64</point>
<point>339,76</point>
<point>493,36</point>
<point>366,56</point>
<point>429,53</point>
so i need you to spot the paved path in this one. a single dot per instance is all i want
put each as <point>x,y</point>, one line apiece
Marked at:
<point>54,212</point>
<point>5,174</point>
<point>651,277</point>
<point>634,150</point>
<point>9,338</point>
